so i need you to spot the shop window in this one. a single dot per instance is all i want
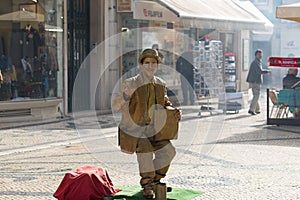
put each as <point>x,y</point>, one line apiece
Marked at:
<point>228,41</point>
<point>30,49</point>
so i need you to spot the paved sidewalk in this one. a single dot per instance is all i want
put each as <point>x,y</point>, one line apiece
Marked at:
<point>233,156</point>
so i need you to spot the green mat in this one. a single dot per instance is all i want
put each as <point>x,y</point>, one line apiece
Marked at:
<point>135,193</point>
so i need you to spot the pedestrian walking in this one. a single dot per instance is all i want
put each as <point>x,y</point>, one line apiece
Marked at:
<point>254,79</point>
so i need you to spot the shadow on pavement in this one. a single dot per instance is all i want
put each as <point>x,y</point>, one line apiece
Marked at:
<point>266,136</point>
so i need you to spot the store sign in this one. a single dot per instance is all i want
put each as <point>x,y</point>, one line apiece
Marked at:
<point>283,62</point>
<point>124,5</point>
<point>152,13</point>
<point>149,10</point>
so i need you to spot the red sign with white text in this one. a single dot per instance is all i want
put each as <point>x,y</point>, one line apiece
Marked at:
<point>283,62</point>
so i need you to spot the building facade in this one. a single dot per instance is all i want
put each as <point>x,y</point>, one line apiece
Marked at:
<point>175,24</point>
<point>75,52</point>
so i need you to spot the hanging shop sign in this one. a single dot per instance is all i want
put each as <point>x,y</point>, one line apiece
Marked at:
<point>124,5</point>
<point>283,62</point>
<point>149,10</point>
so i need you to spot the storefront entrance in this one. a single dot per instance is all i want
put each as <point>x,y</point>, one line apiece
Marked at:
<point>78,44</point>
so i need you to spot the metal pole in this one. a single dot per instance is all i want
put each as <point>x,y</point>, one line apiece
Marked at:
<point>65,69</point>
<point>268,104</point>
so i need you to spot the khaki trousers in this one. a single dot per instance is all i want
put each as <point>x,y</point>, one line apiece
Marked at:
<point>154,158</point>
<point>254,106</point>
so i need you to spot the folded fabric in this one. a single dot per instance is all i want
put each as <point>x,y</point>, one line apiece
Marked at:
<point>86,182</point>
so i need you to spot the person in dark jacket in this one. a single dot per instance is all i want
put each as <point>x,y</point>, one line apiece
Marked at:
<point>184,65</point>
<point>290,79</point>
<point>254,79</point>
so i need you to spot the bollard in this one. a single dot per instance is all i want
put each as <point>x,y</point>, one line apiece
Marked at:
<point>160,191</point>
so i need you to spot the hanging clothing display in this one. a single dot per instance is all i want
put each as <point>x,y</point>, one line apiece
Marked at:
<point>30,41</point>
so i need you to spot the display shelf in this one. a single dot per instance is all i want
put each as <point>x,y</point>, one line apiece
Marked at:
<point>208,71</point>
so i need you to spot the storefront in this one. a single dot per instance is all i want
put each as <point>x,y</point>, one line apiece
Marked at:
<point>174,24</point>
<point>144,24</point>
<point>32,57</point>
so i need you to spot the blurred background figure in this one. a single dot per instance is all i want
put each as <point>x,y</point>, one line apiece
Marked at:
<point>184,65</point>
<point>290,79</point>
<point>156,47</point>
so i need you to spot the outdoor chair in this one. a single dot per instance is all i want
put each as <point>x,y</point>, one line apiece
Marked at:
<point>286,98</point>
<point>296,112</point>
<point>280,108</point>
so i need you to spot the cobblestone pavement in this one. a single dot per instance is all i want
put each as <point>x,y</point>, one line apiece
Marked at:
<point>233,156</point>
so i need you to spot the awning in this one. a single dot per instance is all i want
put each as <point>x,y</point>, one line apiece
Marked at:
<point>22,16</point>
<point>258,35</point>
<point>221,14</point>
<point>150,10</point>
<point>289,12</point>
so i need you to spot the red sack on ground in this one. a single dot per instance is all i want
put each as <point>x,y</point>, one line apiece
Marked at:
<point>86,182</point>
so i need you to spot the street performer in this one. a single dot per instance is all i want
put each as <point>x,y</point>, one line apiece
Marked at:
<point>136,100</point>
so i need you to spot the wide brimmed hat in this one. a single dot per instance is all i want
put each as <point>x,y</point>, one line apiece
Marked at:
<point>149,53</point>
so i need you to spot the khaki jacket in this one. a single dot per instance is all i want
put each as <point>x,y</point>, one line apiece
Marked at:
<point>133,124</point>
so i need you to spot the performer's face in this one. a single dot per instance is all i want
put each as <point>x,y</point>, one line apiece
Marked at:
<point>149,67</point>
